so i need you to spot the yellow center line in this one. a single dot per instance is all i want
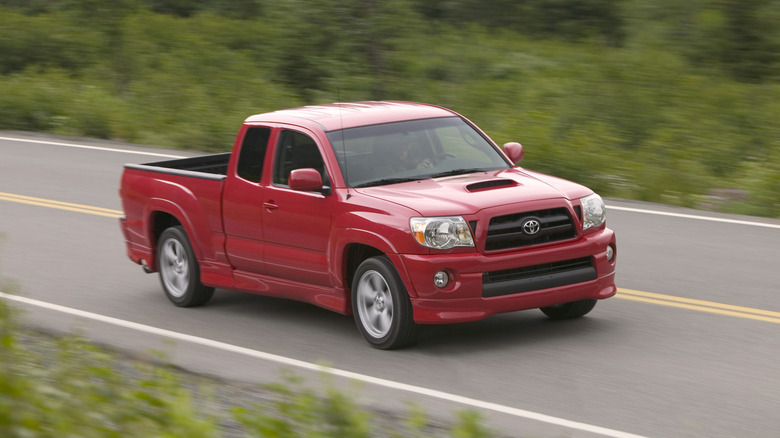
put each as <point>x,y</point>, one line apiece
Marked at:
<point>99,211</point>
<point>700,305</point>
<point>626,294</point>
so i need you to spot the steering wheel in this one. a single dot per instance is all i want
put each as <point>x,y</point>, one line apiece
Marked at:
<point>443,156</point>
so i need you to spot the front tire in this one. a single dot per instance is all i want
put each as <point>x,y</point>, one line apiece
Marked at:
<point>381,305</point>
<point>179,270</point>
<point>575,309</point>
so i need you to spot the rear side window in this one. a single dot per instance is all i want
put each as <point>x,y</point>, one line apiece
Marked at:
<point>252,155</point>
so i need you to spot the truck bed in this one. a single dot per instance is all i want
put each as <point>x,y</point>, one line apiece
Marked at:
<point>206,166</point>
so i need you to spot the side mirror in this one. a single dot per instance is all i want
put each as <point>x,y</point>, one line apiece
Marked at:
<point>514,151</point>
<point>305,180</point>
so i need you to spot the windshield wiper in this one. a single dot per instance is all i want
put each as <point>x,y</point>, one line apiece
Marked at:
<point>458,172</point>
<point>388,181</point>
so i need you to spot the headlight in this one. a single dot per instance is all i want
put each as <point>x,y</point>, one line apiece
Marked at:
<point>441,232</point>
<point>594,213</point>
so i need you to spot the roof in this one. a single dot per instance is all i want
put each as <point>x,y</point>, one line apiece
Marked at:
<point>349,115</point>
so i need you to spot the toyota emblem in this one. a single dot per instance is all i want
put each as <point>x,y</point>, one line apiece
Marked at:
<point>531,226</point>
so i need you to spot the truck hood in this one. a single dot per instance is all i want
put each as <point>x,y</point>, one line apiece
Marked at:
<point>470,193</point>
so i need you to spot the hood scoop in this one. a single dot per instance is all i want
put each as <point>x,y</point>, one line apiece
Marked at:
<point>491,184</point>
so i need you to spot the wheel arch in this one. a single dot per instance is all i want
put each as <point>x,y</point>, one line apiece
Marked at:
<point>158,221</point>
<point>355,253</point>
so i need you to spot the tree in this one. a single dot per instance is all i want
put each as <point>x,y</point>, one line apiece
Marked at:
<point>747,52</point>
<point>323,39</point>
<point>566,19</point>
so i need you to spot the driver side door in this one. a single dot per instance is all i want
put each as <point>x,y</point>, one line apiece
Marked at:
<point>297,224</point>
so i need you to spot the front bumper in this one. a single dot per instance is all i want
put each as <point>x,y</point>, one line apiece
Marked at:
<point>467,298</point>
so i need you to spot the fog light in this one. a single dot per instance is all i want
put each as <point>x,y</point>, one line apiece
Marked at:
<point>610,253</point>
<point>441,278</point>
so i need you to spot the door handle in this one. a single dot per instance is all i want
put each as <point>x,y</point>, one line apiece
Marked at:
<point>270,205</point>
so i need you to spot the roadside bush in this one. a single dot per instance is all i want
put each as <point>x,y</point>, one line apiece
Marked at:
<point>76,390</point>
<point>50,40</point>
<point>32,102</point>
<point>67,387</point>
<point>53,101</point>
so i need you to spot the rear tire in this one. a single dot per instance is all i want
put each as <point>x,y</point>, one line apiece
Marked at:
<point>179,270</point>
<point>575,309</point>
<point>381,305</point>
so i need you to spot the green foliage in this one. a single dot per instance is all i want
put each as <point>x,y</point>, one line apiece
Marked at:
<point>50,40</point>
<point>743,36</point>
<point>55,102</point>
<point>660,101</point>
<point>567,19</point>
<point>470,426</point>
<point>69,388</point>
<point>302,412</point>
<point>80,392</point>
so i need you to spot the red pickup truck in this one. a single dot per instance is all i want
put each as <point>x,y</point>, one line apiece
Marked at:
<point>399,213</point>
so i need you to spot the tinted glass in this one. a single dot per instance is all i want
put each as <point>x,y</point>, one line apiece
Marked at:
<point>252,155</point>
<point>296,150</point>
<point>417,149</point>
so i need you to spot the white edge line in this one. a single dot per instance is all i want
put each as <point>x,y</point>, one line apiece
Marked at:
<point>97,148</point>
<point>333,371</point>
<point>693,216</point>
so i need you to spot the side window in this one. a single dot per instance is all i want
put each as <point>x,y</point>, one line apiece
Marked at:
<point>252,155</point>
<point>296,151</point>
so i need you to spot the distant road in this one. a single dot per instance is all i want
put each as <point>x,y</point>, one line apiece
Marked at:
<point>689,347</point>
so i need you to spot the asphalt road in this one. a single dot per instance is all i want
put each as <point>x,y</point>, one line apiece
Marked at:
<point>688,348</point>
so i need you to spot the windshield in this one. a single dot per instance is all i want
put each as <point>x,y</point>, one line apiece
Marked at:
<point>391,153</point>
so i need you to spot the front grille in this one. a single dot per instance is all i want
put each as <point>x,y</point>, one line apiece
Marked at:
<point>530,278</point>
<point>508,232</point>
